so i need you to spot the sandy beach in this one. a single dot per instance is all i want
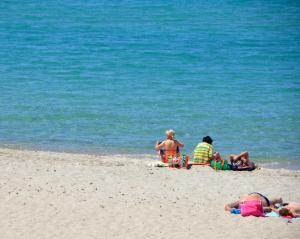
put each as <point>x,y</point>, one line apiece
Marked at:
<point>64,195</point>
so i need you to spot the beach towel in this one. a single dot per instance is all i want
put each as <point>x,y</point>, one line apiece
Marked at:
<point>274,214</point>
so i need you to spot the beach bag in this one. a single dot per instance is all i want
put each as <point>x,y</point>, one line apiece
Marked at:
<point>178,162</point>
<point>252,208</point>
<point>220,165</point>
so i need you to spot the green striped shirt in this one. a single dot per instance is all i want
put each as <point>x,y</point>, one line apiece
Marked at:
<point>203,152</point>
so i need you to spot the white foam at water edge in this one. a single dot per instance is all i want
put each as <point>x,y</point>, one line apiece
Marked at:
<point>289,165</point>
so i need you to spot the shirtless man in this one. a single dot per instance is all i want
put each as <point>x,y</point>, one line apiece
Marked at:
<point>254,196</point>
<point>291,209</point>
<point>241,160</point>
<point>170,144</point>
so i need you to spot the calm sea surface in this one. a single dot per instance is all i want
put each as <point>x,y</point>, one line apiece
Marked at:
<point>112,76</point>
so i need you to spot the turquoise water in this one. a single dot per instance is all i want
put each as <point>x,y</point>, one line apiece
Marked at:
<point>112,76</point>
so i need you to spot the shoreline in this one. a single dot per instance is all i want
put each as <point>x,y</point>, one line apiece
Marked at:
<point>293,165</point>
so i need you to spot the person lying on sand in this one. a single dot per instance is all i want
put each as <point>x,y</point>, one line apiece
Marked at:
<point>240,161</point>
<point>254,196</point>
<point>169,145</point>
<point>289,209</point>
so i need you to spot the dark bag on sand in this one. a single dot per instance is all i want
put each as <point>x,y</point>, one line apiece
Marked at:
<point>237,168</point>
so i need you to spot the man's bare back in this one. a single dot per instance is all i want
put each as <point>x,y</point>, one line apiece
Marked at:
<point>171,144</point>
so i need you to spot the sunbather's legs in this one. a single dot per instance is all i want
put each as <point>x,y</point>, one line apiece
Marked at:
<point>244,156</point>
<point>232,157</point>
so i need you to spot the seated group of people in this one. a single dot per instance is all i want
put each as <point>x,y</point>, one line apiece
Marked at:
<point>269,205</point>
<point>203,152</point>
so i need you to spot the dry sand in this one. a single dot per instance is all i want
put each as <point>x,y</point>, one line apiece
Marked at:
<point>61,195</point>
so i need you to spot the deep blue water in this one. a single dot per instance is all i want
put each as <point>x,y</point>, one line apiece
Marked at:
<point>112,76</point>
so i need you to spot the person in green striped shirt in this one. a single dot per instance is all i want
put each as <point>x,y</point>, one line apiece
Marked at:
<point>203,152</point>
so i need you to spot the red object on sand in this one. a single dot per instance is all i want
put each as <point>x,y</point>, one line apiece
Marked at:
<point>187,161</point>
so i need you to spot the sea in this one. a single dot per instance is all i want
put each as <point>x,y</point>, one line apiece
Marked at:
<point>109,77</point>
